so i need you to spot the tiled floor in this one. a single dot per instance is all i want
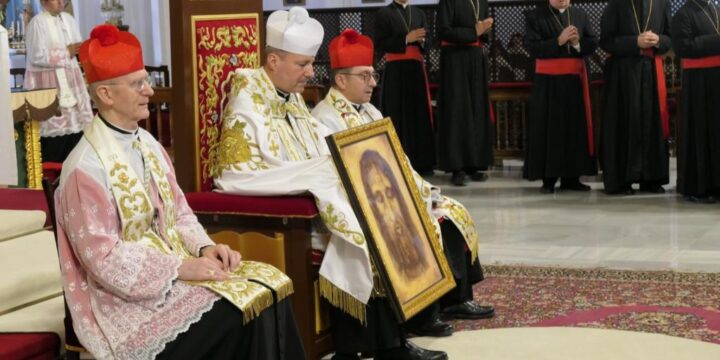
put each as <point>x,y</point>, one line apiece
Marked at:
<point>518,225</point>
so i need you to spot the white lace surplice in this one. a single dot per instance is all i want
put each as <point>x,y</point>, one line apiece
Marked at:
<point>47,38</point>
<point>123,297</point>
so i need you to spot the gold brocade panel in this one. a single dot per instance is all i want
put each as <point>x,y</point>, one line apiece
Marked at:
<point>221,44</point>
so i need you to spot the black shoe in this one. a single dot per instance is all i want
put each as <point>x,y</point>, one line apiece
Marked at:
<point>700,199</point>
<point>478,176</point>
<point>433,327</point>
<point>574,186</point>
<point>653,189</point>
<point>410,351</point>
<point>469,310</point>
<point>458,178</point>
<point>547,190</point>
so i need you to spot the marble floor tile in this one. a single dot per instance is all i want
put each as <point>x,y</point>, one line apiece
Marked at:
<point>518,225</point>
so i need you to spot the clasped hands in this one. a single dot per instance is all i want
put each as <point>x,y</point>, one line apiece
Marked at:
<point>648,39</point>
<point>215,263</point>
<point>483,26</point>
<point>569,34</point>
<point>417,35</point>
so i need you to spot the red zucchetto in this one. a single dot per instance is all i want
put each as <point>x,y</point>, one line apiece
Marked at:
<point>351,49</point>
<point>110,53</point>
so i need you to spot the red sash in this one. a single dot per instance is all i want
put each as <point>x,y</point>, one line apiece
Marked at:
<point>413,53</point>
<point>701,63</point>
<point>571,66</point>
<point>661,90</point>
<point>476,43</point>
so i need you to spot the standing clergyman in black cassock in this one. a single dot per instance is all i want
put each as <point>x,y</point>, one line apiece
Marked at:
<point>465,132</point>
<point>633,137</point>
<point>696,35</point>
<point>400,34</point>
<point>560,138</point>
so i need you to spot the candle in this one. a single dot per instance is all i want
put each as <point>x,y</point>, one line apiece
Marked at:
<point>8,162</point>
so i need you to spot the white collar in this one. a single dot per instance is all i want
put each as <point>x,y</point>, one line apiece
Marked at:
<point>405,5</point>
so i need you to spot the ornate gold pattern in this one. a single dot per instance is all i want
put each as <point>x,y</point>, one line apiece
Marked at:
<point>234,145</point>
<point>33,154</point>
<point>221,43</point>
<point>465,224</point>
<point>138,223</point>
<point>342,106</point>
<point>228,37</point>
<point>337,221</point>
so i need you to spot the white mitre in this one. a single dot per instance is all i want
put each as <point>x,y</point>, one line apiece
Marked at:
<point>294,31</point>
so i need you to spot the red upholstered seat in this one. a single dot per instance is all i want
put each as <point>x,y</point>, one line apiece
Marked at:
<point>24,199</point>
<point>271,206</point>
<point>29,346</point>
<point>51,170</point>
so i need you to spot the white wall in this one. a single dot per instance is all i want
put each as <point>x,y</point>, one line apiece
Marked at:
<point>332,4</point>
<point>149,20</point>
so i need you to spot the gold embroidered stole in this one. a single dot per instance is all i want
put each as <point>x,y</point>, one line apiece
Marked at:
<point>139,224</point>
<point>459,215</point>
<point>345,111</point>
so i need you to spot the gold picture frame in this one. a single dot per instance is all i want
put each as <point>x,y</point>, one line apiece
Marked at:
<point>401,237</point>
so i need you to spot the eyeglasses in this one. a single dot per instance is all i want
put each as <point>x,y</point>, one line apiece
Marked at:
<point>366,76</point>
<point>137,85</point>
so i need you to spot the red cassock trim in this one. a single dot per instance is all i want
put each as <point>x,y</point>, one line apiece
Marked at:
<point>701,63</point>
<point>413,53</point>
<point>661,90</point>
<point>572,66</point>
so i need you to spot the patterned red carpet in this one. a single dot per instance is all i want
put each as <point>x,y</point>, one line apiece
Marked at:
<point>672,303</point>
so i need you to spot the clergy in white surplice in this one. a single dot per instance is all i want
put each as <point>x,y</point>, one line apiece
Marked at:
<point>52,40</point>
<point>141,277</point>
<point>347,105</point>
<point>271,145</point>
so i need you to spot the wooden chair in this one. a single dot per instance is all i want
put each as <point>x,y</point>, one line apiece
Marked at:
<point>159,74</point>
<point>18,77</point>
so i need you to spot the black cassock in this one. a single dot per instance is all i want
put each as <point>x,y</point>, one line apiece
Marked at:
<point>695,35</point>
<point>557,143</point>
<point>221,335</point>
<point>464,130</point>
<point>632,145</point>
<point>404,94</point>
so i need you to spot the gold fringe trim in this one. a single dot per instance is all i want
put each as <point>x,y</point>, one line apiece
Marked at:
<point>75,348</point>
<point>259,304</point>
<point>285,290</point>
<point>342,300</point>
<point>265,300</point>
